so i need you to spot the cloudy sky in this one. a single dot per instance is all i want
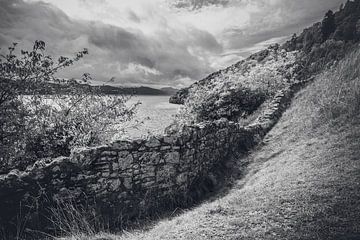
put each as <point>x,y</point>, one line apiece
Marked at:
<point>155,42</point>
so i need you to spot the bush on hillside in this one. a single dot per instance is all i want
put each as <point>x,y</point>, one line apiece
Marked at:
<point>34,126</point>
<point>239,90</point>
<point>328,25</point>
<point>324,55</point>
<point>213,104</point>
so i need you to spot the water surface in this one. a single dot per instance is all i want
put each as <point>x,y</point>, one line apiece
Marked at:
<point>155,113</point>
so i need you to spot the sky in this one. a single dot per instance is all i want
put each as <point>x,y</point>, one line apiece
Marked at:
<point>155,43</point>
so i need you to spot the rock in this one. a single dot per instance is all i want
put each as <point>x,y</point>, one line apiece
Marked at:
<point>115,185</point>
<point>153,142</point>
<point>122,145</point>
<point>125,161</point>
<point>56,169</point>
<point>172,157</point>
<point>127,182</point>
<point>149,157</point>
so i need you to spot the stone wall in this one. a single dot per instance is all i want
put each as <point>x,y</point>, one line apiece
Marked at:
<point>128,178</point>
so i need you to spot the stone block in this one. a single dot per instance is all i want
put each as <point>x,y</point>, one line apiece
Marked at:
<point>164,173</point>
<point>115,185</point>
<point>170,139</point>
<point>172,157</point>
<point>115,166</point>
<point>105,153</point>
<point>122,145</point>
<point>147,157</point>
<point>56,169</point>
<point>125,161</point>
<point>152,142</point>
<point>148,171</point>
<point>165,148</point>
<point>127,182</point>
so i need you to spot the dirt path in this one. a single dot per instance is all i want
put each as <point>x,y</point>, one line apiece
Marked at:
<point>302,183</point>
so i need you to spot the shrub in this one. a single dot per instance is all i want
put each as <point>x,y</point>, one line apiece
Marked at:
<point>34,125</point>
<point>328,25</point>
<point>239,90</point>
<point>213,104</point>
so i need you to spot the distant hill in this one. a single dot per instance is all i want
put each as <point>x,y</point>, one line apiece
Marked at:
<point>169,90</point>
<point>55,88</point>
<point>112,90</point>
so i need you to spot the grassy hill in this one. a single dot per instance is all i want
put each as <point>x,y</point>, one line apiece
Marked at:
<point>316,48</point>
<point>303,182</point>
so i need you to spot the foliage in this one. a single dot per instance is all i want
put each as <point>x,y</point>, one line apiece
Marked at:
<point>340,26</point>
<point>324,55</point>
<point>241,89</point>
<point>34,125</point>
<point>71,219</point>
<point>328,24</point>
<point>223,101</point>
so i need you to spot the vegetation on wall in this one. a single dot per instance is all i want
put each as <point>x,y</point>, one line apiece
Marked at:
<point>241,89</point>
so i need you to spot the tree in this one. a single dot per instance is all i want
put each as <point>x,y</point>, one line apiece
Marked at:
<point>328,25</point>
<point>67,114</point>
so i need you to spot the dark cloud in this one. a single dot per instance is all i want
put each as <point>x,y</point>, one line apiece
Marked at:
<point>175,52</point>
<point>130,56</point>
<point>114,38</point>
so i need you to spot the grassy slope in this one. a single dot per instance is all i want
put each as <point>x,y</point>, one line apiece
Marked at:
<point>303,183</point>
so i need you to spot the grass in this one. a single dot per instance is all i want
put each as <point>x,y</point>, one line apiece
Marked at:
<point>303,182</point>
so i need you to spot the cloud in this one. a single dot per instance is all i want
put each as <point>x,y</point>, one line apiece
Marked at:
<point>157,42</point>
<point>197,4</point>
<point>128,54</point>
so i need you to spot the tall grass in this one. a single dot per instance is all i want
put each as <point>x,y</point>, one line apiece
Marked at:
<point>69,218</point>
<point>336,92</point>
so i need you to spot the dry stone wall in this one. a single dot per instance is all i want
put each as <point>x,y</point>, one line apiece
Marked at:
<point>128,178</point>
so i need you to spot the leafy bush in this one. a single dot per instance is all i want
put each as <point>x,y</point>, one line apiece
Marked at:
<point>34,125</point>
<point>229,102</point>
<point>241,89</point>
<point>328,25</point>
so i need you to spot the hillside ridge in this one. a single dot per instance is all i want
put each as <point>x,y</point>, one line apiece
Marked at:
<point>301,183</point>
<point>319,45</point>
